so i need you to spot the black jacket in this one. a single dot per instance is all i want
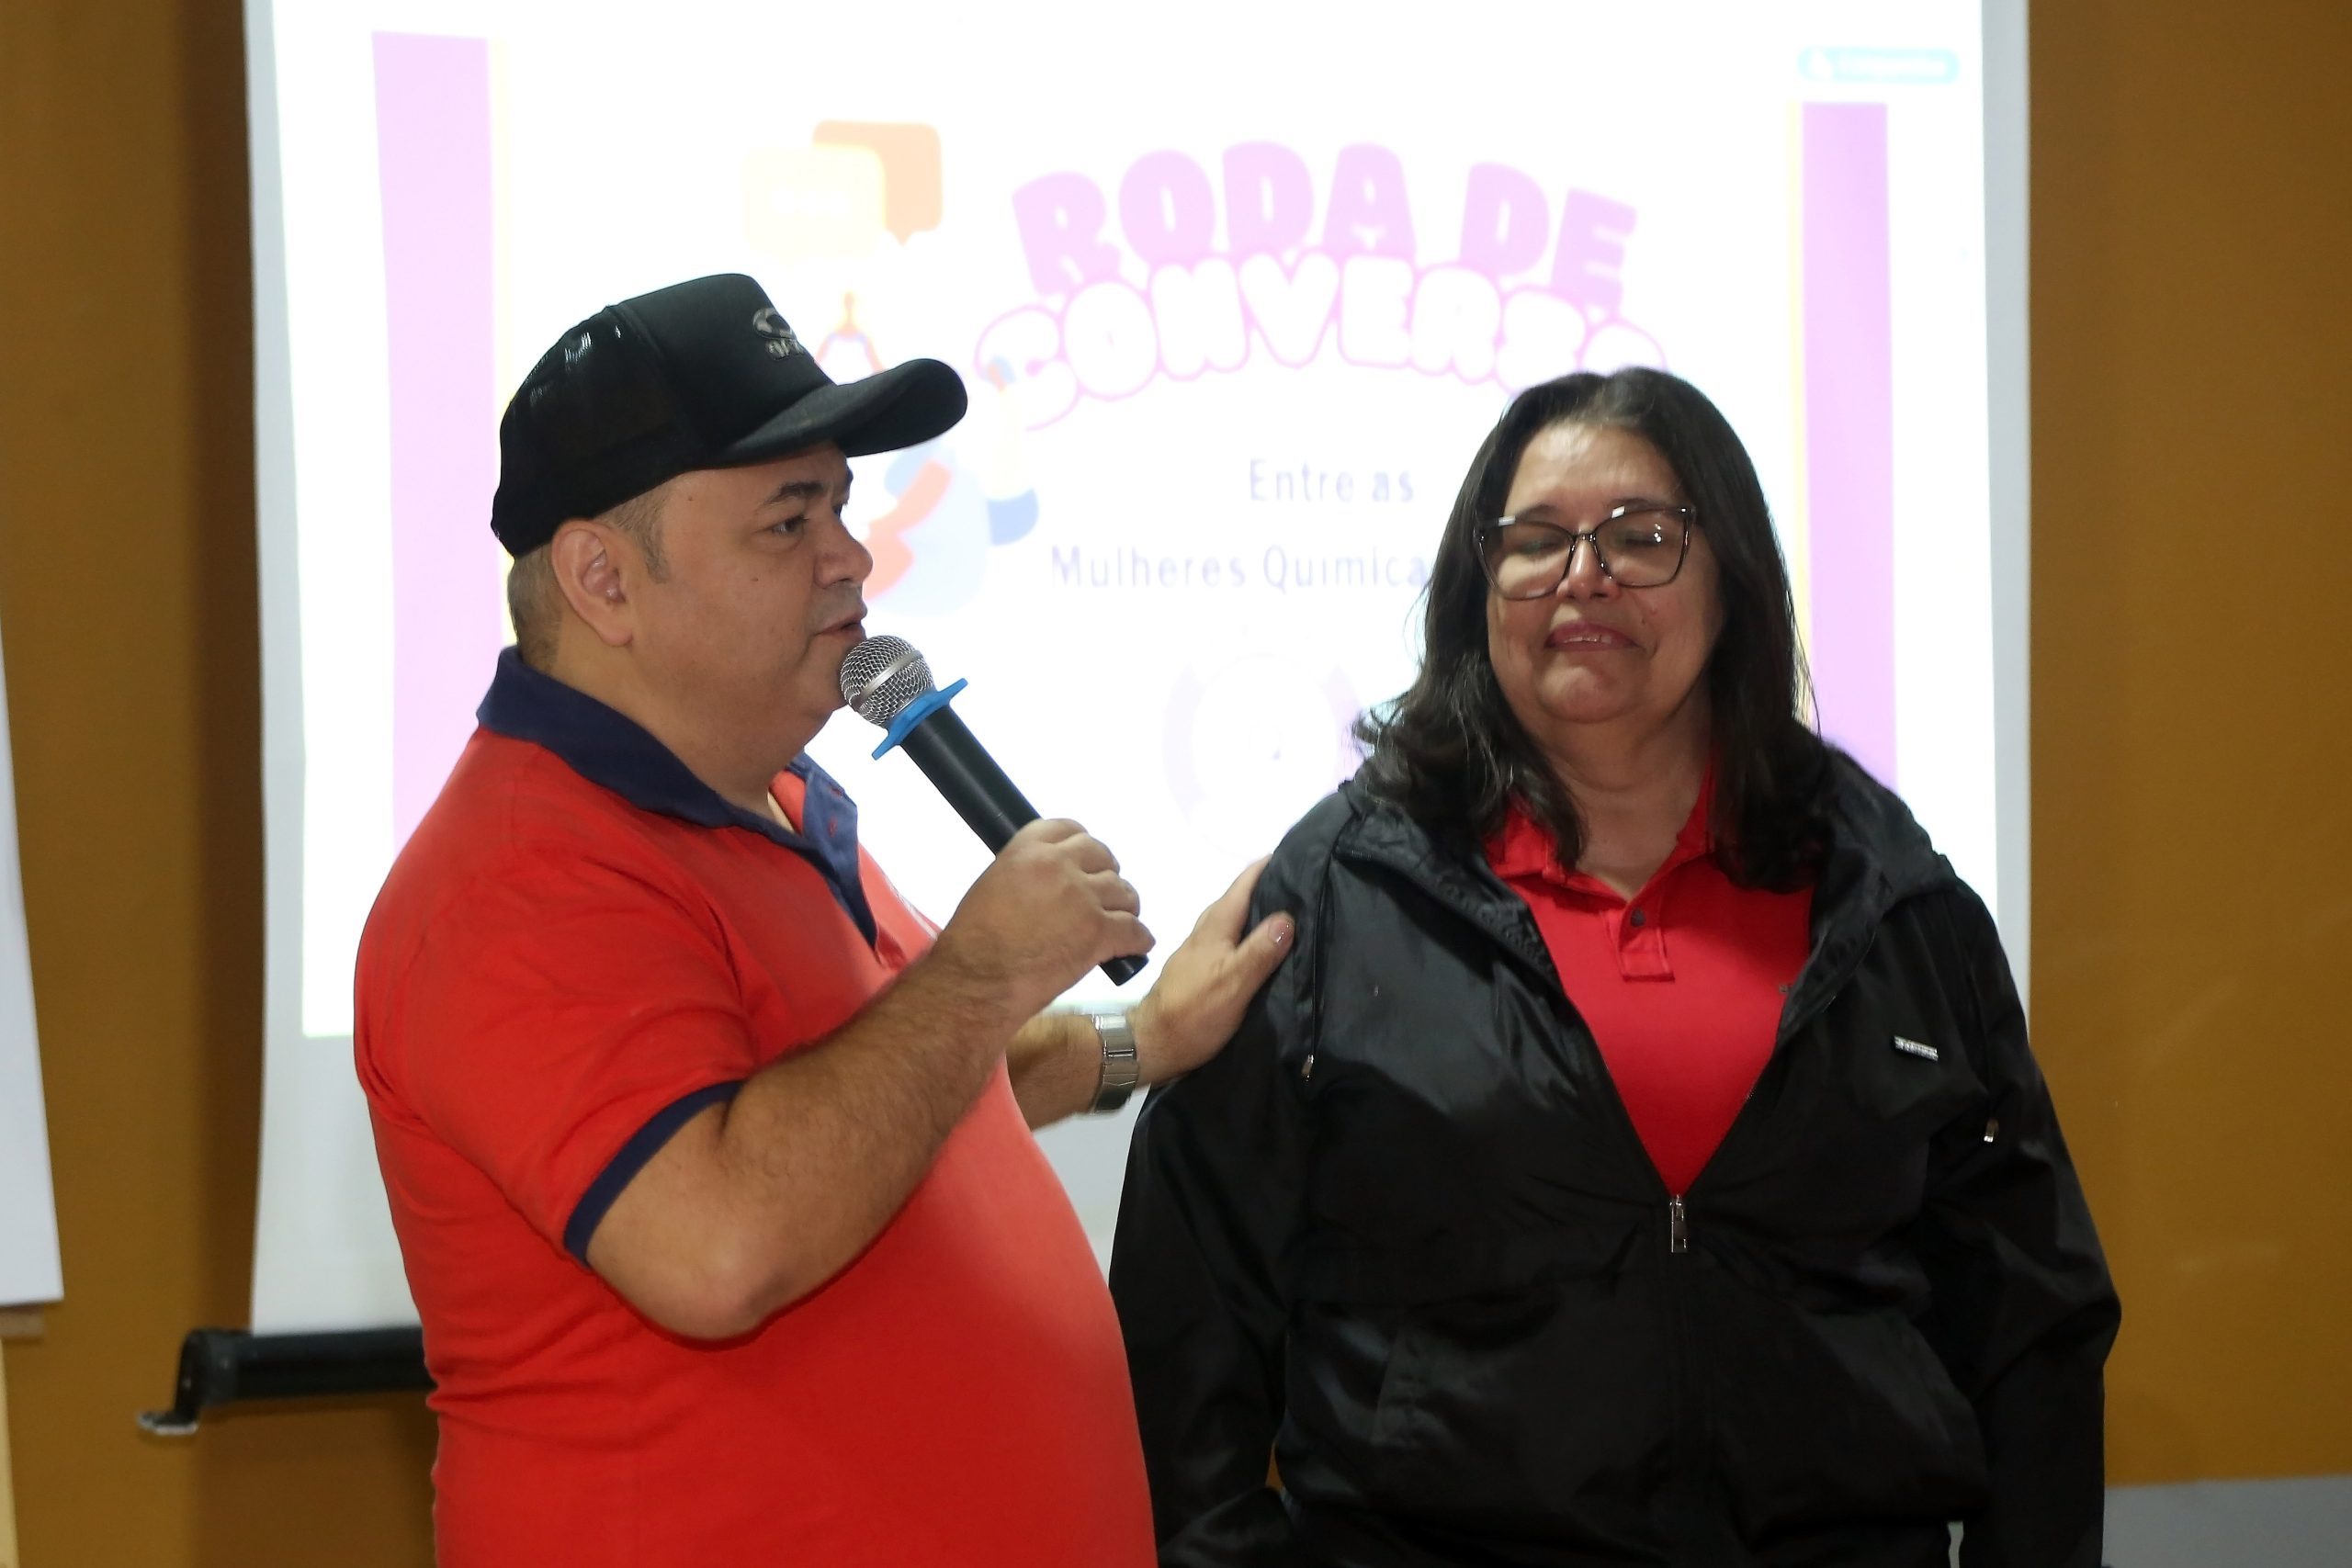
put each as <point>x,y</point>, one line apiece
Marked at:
<point>1402,1233</point>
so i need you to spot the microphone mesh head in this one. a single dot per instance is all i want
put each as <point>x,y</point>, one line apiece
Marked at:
<point>881,676</point>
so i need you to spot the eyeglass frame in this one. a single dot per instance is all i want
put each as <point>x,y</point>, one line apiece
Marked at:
<point>1591,538</point>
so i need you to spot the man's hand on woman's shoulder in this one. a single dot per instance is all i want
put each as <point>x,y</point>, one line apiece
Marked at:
<point>1197,1004</point>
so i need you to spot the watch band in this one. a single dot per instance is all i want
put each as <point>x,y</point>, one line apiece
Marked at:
<point>1120,1067</point>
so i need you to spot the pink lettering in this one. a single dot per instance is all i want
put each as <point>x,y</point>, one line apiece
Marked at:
<point>1369,214</point>
<point>1593,247</point>
<point>1372,293</point>
<point>1200,320</point>
<point>1060,218</point>
<point>1269,199</point>
<point>1504,220</point>
<point>1291,309</point>
<point>1457,315</point>
<point>1109,339</point>
<point>1200,306</point>
<point>1167,210</point>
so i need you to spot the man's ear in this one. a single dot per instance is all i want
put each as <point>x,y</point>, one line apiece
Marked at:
<point>587,573</point>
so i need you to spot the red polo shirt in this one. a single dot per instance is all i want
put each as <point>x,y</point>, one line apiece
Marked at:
<point>1681,985</point>
<point>582,946</point>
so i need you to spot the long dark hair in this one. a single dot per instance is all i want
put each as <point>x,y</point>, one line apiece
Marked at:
<point>1450,753</point>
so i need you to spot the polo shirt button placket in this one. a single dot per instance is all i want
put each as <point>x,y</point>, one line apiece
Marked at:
<point>1642,947</point>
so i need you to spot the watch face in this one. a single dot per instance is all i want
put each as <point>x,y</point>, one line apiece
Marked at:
<point>1253,742</point>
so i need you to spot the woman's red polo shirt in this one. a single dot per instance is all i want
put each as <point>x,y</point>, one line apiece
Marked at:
<point>1682,984</point>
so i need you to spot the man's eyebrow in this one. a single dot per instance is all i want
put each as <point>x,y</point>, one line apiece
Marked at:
<point>806,489</point>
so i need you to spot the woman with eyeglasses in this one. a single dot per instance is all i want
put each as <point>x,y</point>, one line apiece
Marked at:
<point>1640,1158</point>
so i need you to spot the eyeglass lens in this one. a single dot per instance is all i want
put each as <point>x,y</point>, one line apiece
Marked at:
<point>1527,560</point>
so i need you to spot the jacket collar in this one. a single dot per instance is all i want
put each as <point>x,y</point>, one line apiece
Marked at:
<point>613,751</point>
<point>1878,857</point>
<point>1449,868</point>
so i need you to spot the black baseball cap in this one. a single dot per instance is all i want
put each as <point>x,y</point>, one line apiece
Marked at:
<point>700,375</point>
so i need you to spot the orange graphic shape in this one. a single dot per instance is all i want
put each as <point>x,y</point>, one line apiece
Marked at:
<point>883,540</point>
<point>910,180</point>
<point>804,202</point>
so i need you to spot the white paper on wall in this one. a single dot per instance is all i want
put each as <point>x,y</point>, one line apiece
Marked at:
<point>28,1264</point>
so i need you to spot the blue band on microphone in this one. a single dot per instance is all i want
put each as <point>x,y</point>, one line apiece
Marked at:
<point>914,713</point>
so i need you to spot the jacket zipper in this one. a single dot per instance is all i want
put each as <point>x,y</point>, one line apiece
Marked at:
<point>1821,993</point>
<point>1691,1420</point>
<point>1828,979</point>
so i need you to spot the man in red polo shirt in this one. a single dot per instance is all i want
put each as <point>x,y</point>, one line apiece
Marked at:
<point>710,1160</point>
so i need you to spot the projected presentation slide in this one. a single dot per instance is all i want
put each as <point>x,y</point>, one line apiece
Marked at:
<point>1236,290</point>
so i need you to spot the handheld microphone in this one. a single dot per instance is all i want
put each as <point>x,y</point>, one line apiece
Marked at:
<point>887,683</point>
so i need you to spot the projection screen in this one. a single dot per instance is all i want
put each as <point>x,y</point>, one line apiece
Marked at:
<point>1236,289</point>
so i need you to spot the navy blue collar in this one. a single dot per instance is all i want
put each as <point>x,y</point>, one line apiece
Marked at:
<point>616,752</point>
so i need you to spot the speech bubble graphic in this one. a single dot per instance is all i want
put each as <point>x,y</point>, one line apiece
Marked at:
<point>909,156</point>
<point>801,203</point>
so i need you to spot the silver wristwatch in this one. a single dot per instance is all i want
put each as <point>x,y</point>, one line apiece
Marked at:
<point>1120,1067</point>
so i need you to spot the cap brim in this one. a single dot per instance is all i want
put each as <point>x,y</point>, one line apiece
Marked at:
<point>903,406</point>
